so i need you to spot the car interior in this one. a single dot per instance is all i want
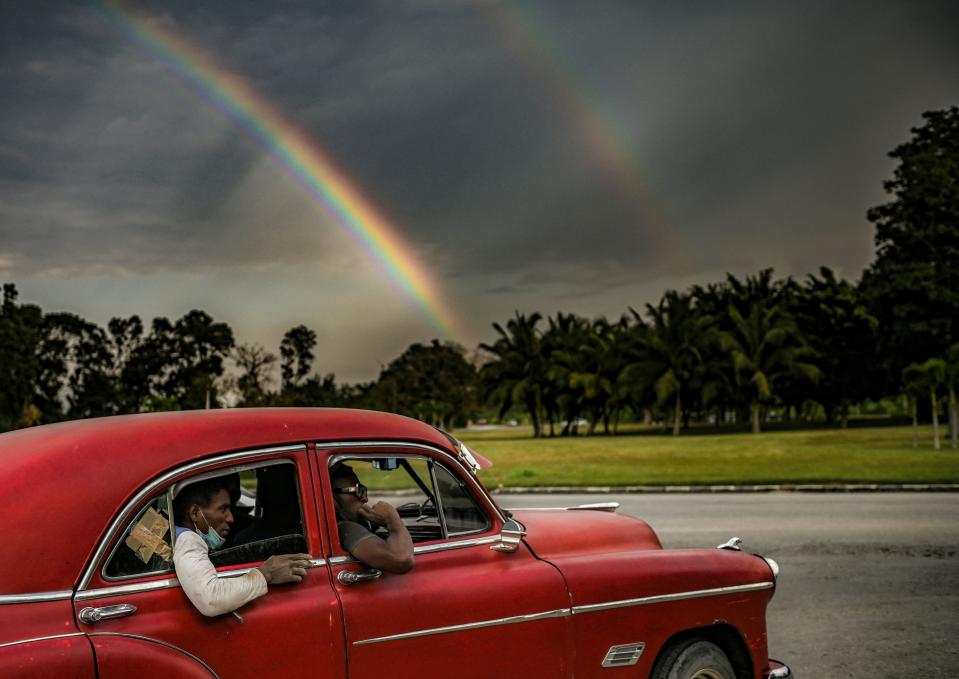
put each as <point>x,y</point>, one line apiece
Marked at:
<point>432,502</point>
<point>267,520</point>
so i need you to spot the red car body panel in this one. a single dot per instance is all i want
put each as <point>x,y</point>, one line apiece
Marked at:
<point>579,582</point>
<point>634,566</point>
<point>454,588</point>
<point>652,574</point>
<point>557,533</point>
<point>281,634</point>
<point>50,659</point>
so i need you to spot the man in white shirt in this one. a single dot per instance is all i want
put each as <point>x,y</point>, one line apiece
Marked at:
<point>203,519</point>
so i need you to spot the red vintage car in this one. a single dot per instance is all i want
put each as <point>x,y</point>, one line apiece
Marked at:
<point>87,586</point>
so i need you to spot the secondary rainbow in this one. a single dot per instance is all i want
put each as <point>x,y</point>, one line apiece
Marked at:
<point>295,151</point>
<point>601,133</point>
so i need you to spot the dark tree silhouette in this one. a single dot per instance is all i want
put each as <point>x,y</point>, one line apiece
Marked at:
<point>255,364</point>
<point>913,285</point>
<point>517,375</point>
<point>432,382</point>
<point>296,351</point>
<point>20,328</point>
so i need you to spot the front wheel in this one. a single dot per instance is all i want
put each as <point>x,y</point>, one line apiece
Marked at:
<point>693,659</point>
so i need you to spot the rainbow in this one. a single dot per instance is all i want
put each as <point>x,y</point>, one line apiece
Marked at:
<point>295,151</point>
<point>600,132</point>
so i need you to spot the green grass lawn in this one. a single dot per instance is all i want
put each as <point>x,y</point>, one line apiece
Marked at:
<point>640,457</point>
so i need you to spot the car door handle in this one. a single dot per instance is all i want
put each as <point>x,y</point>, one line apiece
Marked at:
<point>353,577</point>
<point>91,615</point>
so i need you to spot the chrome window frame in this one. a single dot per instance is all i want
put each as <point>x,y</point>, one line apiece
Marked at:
<point>150,488</point>
<point>116,547</point>
<point>175,489</point>
<point>440,514</point>
<point>474,483</point>
<point>449,535</point>
<point>479,491</point>
<point>178,487</point>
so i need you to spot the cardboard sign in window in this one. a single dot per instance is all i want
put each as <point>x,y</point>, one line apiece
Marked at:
<point>146,537</point>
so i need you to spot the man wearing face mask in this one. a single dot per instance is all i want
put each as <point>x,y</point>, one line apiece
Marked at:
<point>203,519</point>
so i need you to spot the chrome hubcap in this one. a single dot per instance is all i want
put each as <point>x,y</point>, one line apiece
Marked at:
<point>708,674</point>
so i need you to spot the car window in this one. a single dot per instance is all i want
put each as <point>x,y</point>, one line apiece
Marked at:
<point>418,487</point>
<point>146,547</point>
<point>462,513</point>
<point>267,520</point>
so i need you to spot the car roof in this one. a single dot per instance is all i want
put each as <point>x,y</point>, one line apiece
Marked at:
<point>63,483</point>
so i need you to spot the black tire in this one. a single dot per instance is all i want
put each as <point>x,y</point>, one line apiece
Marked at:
<point>693,659</point>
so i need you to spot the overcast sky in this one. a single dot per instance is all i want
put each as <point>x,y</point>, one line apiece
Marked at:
<point>534,156</point>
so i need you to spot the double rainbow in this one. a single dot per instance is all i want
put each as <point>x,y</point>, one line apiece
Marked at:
<point>295,151</point>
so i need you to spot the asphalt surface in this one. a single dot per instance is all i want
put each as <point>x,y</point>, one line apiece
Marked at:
<point>869,582</point>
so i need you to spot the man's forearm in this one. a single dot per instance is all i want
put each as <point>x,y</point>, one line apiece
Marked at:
<point>399,541</point>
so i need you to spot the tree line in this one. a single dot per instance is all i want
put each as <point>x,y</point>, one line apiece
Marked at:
<point>737,350</point>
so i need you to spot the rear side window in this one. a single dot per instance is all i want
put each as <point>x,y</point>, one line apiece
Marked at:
<point>146,547</point>
<point>267,519</point>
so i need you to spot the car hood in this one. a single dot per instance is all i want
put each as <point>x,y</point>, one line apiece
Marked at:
<point>561,532</point>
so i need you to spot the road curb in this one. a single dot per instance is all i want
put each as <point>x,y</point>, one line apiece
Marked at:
<point>748,488</point>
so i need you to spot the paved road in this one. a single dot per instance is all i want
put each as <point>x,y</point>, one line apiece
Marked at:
<point>869,585</point>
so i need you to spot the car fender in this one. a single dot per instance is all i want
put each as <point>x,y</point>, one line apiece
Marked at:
<point>61,656</point>
<point>126,655</point>
<point>649,596</point>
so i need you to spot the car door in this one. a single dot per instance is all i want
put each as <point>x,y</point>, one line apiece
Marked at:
<point>464,610</point>
<point>148,628</point>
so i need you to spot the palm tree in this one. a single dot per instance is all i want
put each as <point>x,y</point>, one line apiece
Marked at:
<point>517,375</point>
<point>718,379</point>
<point>562,341</point>
<point>669,350</point>
<point>600,362</point>
<point>765,346</point>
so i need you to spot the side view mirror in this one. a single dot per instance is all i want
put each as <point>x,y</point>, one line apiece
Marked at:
<point>510,537</point>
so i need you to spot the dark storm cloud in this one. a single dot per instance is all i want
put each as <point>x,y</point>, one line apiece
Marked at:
<point>758,132</point>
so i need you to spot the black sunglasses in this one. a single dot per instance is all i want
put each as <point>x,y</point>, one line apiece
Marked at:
<point>359,490</point>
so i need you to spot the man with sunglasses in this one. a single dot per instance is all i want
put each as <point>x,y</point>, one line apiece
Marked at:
<point>356,522</point>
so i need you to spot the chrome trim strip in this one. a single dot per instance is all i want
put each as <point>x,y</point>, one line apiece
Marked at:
<point>474,482</point>
<point>136,587</point>
<point>150,488</point>
<point>512,620</point>
<point>594,506</point>
<point>459,544</point>
<point>427,549</point>
<point>34,597</point>
<point>132,588</point>
<point>52,636</point>
<point>563,612</point>
<point>156,641</point>
<point>677,596</point>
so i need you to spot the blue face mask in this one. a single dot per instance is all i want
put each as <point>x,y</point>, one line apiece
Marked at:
<point>210,537</point>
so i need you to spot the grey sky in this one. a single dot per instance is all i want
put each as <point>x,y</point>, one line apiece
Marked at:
<point>756,135</point>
